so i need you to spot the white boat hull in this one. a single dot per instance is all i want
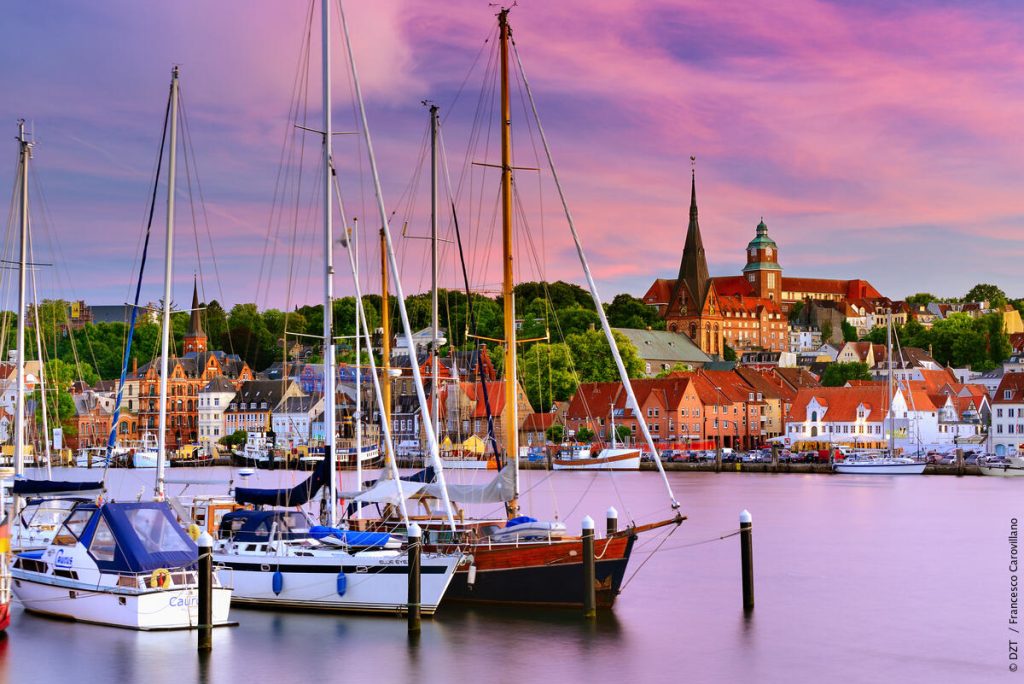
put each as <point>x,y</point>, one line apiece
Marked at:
<point>373,585</point>
<point>159,609</point>
<point>467,464</point>
<point>609,459</point>
<point>1002,470</point>
<point>868,468</point>
<point>144,459</point>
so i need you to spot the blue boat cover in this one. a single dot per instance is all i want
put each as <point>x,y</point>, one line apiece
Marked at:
<point>136,537</point>
<point>519,521</point>
<point>24,487</point>
<point>295,496</point>
<point>257,526</point>
<point>350,537</point>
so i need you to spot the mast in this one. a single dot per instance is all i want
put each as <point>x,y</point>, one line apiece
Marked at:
<point>508,297</point>
<point>888,354</point>
<point>385,337</point>
<point>42,381</point>
<point>25,148</point>
<point>403,313</point>
<point>165,340</point>
<point>612,417</point>
<point>358,416</point>
<point>329,372</point>
<point>435,415</point>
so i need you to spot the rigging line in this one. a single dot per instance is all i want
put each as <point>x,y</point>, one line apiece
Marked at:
<point>689,545</point>
<point>138,289</point>
<point>593,286</point>
<point>476,60</point>
<point>651,555</point>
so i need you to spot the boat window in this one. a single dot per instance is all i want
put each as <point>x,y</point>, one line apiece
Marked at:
<point>156,532</point>
<point>103,544</point>
<point>72,528</point>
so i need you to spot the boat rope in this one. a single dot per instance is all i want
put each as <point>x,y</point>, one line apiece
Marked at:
<point>672,530</point>
<point>592,285</point>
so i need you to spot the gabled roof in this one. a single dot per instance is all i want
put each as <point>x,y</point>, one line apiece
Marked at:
<point>1013,383</point>
<point>664,345</point>
<point>842,403</point>
<point>218,384</point>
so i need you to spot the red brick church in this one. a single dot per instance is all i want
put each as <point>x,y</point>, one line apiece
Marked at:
<point>748,311</point>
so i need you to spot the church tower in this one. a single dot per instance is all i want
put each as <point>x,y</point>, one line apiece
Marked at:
<point>693,307</point>
<point>195,338</point>
<point>762,270</point>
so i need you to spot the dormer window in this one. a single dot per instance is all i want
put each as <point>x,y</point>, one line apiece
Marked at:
<point>1007,394</point>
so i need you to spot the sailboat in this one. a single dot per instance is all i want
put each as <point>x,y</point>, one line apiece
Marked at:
<point>118,564</point>
<point>518,559</point>
<point>278,558</point>
<point>888,462</point>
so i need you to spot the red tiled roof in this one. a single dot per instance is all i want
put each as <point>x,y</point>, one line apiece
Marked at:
<point>732,286</point>
<point>1014,382</point>
<point>538,422</point>
<point>842,402</point>
<point>660,292</point>
<point>495,393</point>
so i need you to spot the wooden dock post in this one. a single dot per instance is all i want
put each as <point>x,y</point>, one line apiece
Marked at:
<point>415,549</point>
<point>747,559</point>
<point>205,544</point>
<point>589,570</point>
<point>611,521</point>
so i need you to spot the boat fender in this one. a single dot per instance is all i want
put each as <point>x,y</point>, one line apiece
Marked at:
<point>194,531</point>
<point>160,579</point>
<point>342,584</point>
<point>278,582</point>
<point>471,576</point>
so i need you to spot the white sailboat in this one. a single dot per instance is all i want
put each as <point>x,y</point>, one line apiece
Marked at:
<point>125,565</point>
<point>277,558</point>
<point>882,463</point>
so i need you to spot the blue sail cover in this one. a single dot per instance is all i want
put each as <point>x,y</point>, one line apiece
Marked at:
<point>40,487</point>
<point>137,537</point>
<point>296,496</point>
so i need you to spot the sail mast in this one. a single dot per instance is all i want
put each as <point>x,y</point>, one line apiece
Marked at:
<point>508,296</point>
<point>404,314</point>
<point>329,374</point>
<point>435,415</point>
<point>385,337</point>
<point>358,415</point>
<point>888,353</point>
<point>19,410</point>
<point>165,340</point>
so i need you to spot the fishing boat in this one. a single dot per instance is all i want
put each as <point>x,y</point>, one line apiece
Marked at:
<point>118,564</point>
<point>1009,466</point>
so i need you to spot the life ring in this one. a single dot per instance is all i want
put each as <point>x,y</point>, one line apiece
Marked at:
<point>194,531</point>
<point>160,579</point>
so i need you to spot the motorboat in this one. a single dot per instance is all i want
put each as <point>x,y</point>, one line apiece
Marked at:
<point>127,565</point>
<point>1010,466</point>
<point>878,464</point>
<point>584,458</point>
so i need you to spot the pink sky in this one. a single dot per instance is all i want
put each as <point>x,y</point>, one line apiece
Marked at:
<point>878,140</point>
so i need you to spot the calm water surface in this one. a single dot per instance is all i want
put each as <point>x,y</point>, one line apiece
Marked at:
<point>858,579</point>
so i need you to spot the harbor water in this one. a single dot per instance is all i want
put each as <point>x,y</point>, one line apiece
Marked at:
<point>857,579</point>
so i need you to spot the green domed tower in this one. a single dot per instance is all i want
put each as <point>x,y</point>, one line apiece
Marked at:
<point>762,270</point>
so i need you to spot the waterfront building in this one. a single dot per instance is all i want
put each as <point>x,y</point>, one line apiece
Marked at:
<point>250,410</point>
<point>94,412</point>
<point>1007,432</point>
<point>214,398</point>
<point>747,311</point>
<point>292,419</point>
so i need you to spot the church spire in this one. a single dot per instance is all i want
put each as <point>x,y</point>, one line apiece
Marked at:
<point>693,269</point>
<point>195,338</point>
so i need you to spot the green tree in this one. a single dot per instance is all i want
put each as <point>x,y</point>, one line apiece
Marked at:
<point>921,299</point>
<point>234,440</point>
<point>838,374</point>
<point>986,292</point>
<point>250,336</point>
<point>728,353</point>
<point>826,332</point>
<point>998,341</point>
<point>556,433</point>
<point>545,371</point>
<point>626,311</point>
<point>677,368</point>
<point>796,311</point>
<point>623,433</point>
<point>593,360</point>
<point>849,332</point>
<point>584,434</point>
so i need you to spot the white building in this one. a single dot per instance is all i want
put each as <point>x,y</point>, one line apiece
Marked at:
<point>213,399</point>
<point>804,339</point>
<point>292,420</point>
<point>1007,433</point>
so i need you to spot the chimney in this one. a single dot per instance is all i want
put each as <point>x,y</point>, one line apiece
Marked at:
<point>135,365</point>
